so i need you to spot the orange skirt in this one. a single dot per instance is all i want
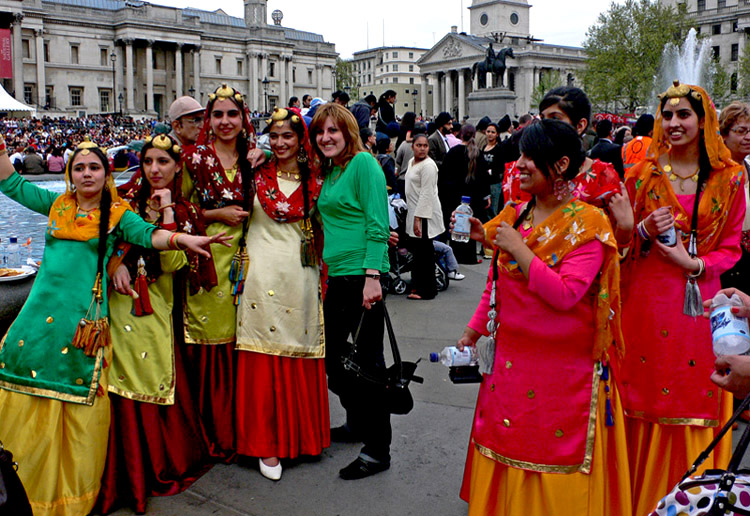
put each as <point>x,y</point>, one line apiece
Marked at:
<point>661,454</point>
<point>492,488</point>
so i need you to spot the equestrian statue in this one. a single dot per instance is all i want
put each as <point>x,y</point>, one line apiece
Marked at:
<point>494,63</point>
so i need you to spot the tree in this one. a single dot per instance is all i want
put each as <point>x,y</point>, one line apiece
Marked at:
<point>344,74</point>
<point>547,80</point>
<point>624,50</point>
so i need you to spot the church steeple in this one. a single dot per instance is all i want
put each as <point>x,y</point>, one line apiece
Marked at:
<point>255,13</point>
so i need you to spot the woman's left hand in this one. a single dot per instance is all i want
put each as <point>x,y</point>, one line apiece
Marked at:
<point>508,239</point>
<point>677,254</point>
<point>371,293</point>
<point>256,157</point>
<point>163,195</point>
<point>200,244</point>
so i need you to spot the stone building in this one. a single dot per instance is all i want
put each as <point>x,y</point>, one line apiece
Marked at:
<point>75,57</point>
<point>446,69</point>
<point>390,68</point>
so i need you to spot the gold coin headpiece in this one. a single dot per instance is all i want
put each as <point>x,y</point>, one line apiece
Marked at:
<point>225,92</point>
<point>163,142</point>
<point>677,91</point>
<point>86,145</point>
<point>279,115</point>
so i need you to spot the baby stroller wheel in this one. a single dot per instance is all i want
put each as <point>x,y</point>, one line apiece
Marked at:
<point>399,287</point>
<point>441,278</point>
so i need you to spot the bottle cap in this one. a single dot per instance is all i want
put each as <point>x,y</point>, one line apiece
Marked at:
<point>434,357</point>
<point>13,240</point>
<point>465,199</point>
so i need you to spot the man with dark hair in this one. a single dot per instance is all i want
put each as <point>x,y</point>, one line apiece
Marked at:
<point>605,150</point>
<point>438,144</point>
<point>524,120</point>
<point>364,109</point>
<point>480,138</point>
<point>294,102</point>
<point>387,163</point>
<point>340,97</point>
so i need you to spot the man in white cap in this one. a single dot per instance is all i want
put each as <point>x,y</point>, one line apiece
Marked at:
<point>186,116</point>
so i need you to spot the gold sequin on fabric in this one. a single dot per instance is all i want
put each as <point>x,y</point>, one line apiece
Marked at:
<point>664,333</point>
<point>20,343</point>
<point>271,293</point>
<point>50,320</point>
<point>710,394</point>
<point>531,394</point>
<point>508,364</point>
<point>128,328</point>
<point>253,305</point>
<point>121,377</point>
<point>506,422</point>
<point>144,355</point>
<point>288,311</point>
<point>691,363</point>
<point>558,433</point>
<point>492,387</point>
<point>665,391</point>
<point>273,328</point>
<point>220,294</point>
<point>79,381</point>
<point>204,318</point>
<point>2,365</point>
<point>64,350</point>
<point>161,387</point>
<point>643,360</point>
<point>33,374</point>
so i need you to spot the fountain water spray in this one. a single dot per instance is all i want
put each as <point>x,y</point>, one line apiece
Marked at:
<point>692,63</point>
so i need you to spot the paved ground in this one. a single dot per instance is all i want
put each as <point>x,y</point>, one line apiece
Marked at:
<point>429,444</point>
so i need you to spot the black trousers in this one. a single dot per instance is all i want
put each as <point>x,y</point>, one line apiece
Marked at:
<point>366,413</point>
<point>423,270</point>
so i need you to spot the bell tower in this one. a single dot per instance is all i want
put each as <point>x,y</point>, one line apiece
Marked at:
<point>509,18</point>
<point>255,13</point>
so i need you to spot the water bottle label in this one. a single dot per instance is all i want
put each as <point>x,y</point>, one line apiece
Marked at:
<point>462,224</point>
<point>668,238</point>
<point>725,324</point>
<point>460,358</point>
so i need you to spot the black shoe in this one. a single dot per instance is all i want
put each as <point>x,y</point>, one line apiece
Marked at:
<point>342,434</point>
<point>362,468</point>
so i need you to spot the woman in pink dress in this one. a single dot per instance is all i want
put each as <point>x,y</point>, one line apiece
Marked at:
<point>687,183</point>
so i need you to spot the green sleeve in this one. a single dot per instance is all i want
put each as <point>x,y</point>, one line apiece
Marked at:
<point>135,230</point>
<point>172,261</point>
<point>28,194</point>
<point>373,198</point>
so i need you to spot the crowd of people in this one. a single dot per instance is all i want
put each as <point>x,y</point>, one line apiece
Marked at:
<point>192,348</point>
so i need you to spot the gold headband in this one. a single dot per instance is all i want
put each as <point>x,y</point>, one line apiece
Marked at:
<point>163,142</point>
<point>225,92</point>
<point>677,91</point>
<point>279,115</point>
<point>86,145</point>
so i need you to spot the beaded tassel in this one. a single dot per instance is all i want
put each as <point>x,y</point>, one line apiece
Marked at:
<point>693,305</point>
<point>307,247</point>
<point>604,375</point>
<point>142,304</point>
<point>92,334</point>
<point>238,272</point>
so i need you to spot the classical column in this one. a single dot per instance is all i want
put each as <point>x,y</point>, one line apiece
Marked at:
<point>263,66</point>
<point>17,57</point>
<point>119,75</point>
<point>319,69</point>
<point>252,70</point>
<point>461,94</point>
<point>178,71</point>
<point>423,99</point>
<point>449,92</point>
<point>197,73</point>
<point>290,75</point>
<point>435,94</point>
<point>282,80</point>
<point>129,91</point>
<point>150,75</point>
<point>41,82</point>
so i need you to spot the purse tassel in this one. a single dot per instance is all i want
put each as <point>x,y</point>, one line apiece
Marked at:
<point>307,247</point>
<point>238,272</point>
<point>693,305</point>
<point>142,304</point>
<point>92,334</point>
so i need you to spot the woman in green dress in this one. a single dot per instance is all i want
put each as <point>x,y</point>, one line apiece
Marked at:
<point>54,360</point>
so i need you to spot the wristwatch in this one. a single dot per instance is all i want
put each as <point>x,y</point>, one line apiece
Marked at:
<point>373,276</point>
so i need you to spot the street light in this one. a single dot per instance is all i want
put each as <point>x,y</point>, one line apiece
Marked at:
<point>113,58</point>
<point>265,82</point>
<point>120,97</point>
<point>191,90</point>
<point>347,88</point>
<point>414,97</point>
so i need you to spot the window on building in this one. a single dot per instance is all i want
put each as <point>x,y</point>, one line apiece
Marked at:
<point>717,52</point>
<point>411,80</point>
<point>74,58</point>
<point>721,4</point>
<point>46,52</point>
<point>239,67</point>
<point>411,68</point>
<point>733,83</point>
<point>386,55</point>
<point>104,99</point>
<point>395,55</point>
<point>294,74</point>
<point>50,99</point>
<point>701,5</point>
<point>103,57</point>
<point>309,76</point>
<point>76,96</point>
<point>735,51</point>
<point>395,79</point>
<point>26,48</point>
<point>272,69</point>
<point>28,94</point>
<point>386,67</point>
<point>411,55</point>
<point>218,65</point>
<point>395,68</point>
<point>715,29</point>
<point>697,30</point>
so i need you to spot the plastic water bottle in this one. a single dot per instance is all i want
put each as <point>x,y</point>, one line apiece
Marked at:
<point>13,254</point>
<point>669,237</point>
<point>462,227</point>
<point>452,357</point>
<point>730,333</point>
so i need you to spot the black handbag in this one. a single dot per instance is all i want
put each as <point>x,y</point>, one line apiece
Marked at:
<point>716,492</point>
<point>13,499</point>
<point>397,378</point>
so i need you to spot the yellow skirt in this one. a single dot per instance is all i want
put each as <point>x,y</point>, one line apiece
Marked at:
<point>661,454</point>
<point>497,489</point>
<point>60,447</point>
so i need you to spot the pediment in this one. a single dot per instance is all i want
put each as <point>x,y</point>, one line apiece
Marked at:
<point>452,46</point>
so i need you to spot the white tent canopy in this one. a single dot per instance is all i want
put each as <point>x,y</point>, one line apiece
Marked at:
<point>10,105</point>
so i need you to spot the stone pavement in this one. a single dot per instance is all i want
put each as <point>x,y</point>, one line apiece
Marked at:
<point>428,451</point>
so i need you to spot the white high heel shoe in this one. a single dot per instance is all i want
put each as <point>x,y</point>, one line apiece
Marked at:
<point>270,472</point>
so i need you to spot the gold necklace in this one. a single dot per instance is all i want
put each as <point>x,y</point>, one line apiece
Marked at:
<point>289,175</point>
<point>528,222</point>
<point>674,177</point>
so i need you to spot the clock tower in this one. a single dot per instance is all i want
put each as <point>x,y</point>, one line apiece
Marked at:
<point>507,17</point>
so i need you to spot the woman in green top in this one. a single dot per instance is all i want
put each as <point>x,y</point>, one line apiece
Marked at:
<point>54,408</point>
<point>353,205</point>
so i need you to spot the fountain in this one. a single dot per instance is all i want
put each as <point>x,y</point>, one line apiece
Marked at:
<point>691,63</point>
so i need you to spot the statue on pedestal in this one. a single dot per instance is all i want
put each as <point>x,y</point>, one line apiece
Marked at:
<point>494,63</point>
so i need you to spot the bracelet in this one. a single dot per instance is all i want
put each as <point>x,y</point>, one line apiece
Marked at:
<point>170,205</point>
<point>701,268</point>
<point>174,242</point>
<point>169,227</point>
<point>642,231</point>
<point>372,276</point>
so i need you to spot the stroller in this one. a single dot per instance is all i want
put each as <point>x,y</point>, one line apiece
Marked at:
<point>400,258</point>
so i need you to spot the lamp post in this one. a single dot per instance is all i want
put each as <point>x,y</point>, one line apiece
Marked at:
<point>414,98</point>
<point>265,82</point>
<point>347,88</point>
<point>113,58</point>
<point>191,90</point>
<point>120,97</point>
